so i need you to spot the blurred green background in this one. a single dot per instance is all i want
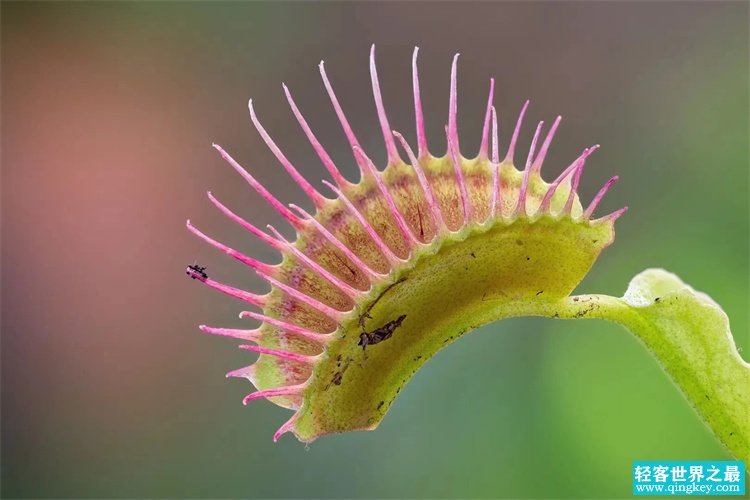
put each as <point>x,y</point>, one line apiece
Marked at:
<point>109,110</point>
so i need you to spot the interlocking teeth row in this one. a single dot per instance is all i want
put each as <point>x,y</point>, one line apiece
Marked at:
<point>295,366</point>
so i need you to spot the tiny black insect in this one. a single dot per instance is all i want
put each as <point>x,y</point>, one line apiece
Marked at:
<point>380,334</point>
<point>197,272</point>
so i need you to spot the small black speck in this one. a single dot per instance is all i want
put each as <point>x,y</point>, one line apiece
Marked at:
<point>381,404</point>
<point>528,258</point>
<point>657,299</point>
<point>594,241</point>
<point>540,292</point>
<point>337,378</point>
<point>416,358</point>
<point>556,315</point>
<point>576,299</point>
<point>472,254</point>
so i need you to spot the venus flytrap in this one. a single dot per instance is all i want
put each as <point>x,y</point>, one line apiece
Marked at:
<point>391,269</point>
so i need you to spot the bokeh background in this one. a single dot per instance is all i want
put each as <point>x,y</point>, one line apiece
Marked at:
<point>109,110</point>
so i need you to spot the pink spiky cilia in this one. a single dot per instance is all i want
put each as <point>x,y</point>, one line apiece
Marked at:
<point>392,268</point>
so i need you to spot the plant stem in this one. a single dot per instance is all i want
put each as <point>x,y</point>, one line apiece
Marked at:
<point>690,338</point>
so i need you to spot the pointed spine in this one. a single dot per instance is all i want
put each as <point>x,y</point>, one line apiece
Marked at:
<point>327,310</point>
<point>572,168</point>
<point>539,161</point>
<point>310,191</point>
<point>567,209</point>
<point>514,139</point>
<point>248,297</point>
<point>286,427</point>
<point>247,372</point>
<point>484,146</point>
<point>547,199</point>
<point>385,250</point>
<point>289,390</point>
<point>453,107</point>
<point>576,179</point>
<point>456,160</point>
<point>310,360</point>
<point>437,216</point>
<point>245,224</point>
<point>348,132</point>
<point>495,167</point>
<point>422,149</point>
<point>345,288</point>
<point>248,261</point>
<point>403,227</point>
<point>260,189</point>
<point>390,144</point>
<point>321,338</point>
<point>363,267</point>
<point>521,205</point>
<point>611,217</point>
<point>598,198</point>
<point>325,158</point>
<point>250,335</point>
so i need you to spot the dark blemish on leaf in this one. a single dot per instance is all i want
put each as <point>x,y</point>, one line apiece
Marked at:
<point>421,228</point>
<point>338,377</point>
<point>528,258</point>
<point>417,358</point>
<point>448,339</point>
<point>381,404</point>
<point>708,397</point>
<point>365,315</point>
<point>584,312</point>
<point>345,264</point>
<point>556,315</point>
<point>576,299</point>
<point>380,334</point>
<point>500,296</point>
<point>594,241</point>
<point>472,254</point>
<point>657,299</point>
<point>540,292</point>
